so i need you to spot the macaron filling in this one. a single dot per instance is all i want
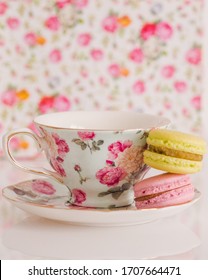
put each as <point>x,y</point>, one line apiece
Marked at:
<point>151,196</point>
<point>175,153</point>
<point>168,198</point>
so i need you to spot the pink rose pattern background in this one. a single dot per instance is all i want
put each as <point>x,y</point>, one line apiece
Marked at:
<point>133,55</point>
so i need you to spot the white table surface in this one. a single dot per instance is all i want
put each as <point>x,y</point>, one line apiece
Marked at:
<point>24,236</point>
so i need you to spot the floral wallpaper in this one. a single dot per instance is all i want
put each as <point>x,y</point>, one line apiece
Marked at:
<point>138,55</point>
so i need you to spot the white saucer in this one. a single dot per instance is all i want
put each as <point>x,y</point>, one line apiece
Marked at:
<point>54,206</point>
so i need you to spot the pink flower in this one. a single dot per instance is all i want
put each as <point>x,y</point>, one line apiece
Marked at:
<point>77,168</point>
<point>110,24</point>
<point>163,30</point>
<point>80,3</point>
<point>9,98</point>
<point>46,103</point>
<point>118,147</point>
<point>52,23</point>
<point>30,39</point>
<point>62,146</point>
<point>58,167</point>
<point>148,30</point>
<point>114,70</point>
<point>136,55</point>
<point>86,135</point>
<point>79,196</point>
<point>193,56</point>
<point>180,86</point>
<point>110,176</point>
<point>62,3</point>
<point>55,56</point>
<point>131,160</point>
<point>84,39</point>
<point>139,87</point>
<point>61,103</point>
<point>168,71</point>
<point>43,187</point>
<point>196,102</point>
<point>13,23</point>
<point>3,8</point>
<point>110,162</point>
<point>96,54</point>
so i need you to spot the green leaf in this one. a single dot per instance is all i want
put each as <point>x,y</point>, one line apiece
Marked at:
<point>126,186</point>
<point>83,146</point>
<point>116,195</point>
<point>103,194</point>
<point>100,142</point>
<point>77,141</point>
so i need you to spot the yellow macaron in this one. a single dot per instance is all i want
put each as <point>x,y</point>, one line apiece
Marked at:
<point>174,151</point>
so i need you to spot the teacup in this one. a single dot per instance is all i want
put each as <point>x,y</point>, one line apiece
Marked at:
<point>98,156</point>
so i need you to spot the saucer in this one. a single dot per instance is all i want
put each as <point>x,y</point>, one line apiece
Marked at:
<point>47,198</point>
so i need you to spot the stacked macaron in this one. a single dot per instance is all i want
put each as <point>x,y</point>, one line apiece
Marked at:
<point>174,151</point>
<point>177,153</point>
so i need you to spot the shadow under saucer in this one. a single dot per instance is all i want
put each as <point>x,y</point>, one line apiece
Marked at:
<point>48,239</point>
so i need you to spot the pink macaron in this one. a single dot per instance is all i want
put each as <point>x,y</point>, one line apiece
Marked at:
<point>163,190</point>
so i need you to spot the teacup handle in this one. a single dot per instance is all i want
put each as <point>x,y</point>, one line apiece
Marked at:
<point>39,141</point>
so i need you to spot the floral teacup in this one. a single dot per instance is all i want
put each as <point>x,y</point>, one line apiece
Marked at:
<point>98,156</point>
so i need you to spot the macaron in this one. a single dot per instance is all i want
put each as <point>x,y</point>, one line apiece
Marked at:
<point>163,190</point>
<point>174,151</point>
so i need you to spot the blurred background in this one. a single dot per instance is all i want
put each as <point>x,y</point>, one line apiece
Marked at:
<point>137,55</point>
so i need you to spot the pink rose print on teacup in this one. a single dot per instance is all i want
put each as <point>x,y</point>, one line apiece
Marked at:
<point>58,148</point>
<point>124,168</point>
<point>43,187</point>
<point>79,196</point>
<point>86,140</point>
<point>131,160</point>
<point>110,176</point>
<point>57,165</point>
<point>78,169</point>
<point>61,144</point>
<point>86,135</point>
<point>118,147</point>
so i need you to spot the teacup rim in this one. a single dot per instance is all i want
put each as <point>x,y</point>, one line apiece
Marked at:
<point>162,121</point>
